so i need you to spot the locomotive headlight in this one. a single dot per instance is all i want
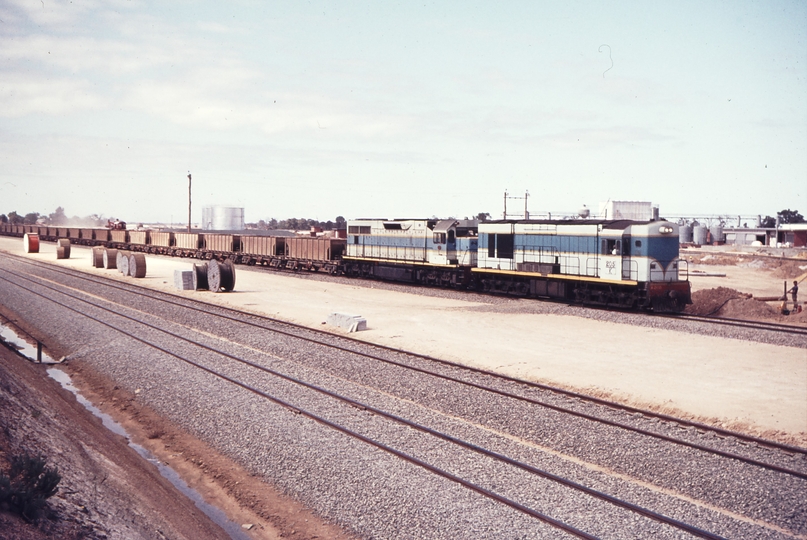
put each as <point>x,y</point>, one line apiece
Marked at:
<point>664,229</point>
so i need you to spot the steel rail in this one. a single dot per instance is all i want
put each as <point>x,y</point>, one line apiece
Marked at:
<point>406,457</point>
<point>363,406</point>
<point>740,323</point>
<point>613,405</point>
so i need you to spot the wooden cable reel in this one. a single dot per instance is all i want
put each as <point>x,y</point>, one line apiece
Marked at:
<point>123,263</point>
<point>63,248</point>
<point>110,259</point>
<point>137,265</point>
<point>30,242</point>
<point>221,276</point>
<point>200,277</point>
<point>97,257</point>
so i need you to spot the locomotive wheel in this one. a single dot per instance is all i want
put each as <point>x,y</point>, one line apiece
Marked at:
<point>220,276</point>
<point>200,277</point>
<point>97,257</point>
<point>30,242</point>
<point>137,265</point>
<point>110,259</point>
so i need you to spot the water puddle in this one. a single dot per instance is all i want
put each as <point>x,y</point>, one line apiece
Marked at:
<point>12,340</point>
<point>215,514</point>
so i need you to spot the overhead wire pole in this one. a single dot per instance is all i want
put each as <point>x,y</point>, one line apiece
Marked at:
<point>189,201</point>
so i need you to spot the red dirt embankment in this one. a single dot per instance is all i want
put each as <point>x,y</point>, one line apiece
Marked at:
<point>727,302</point>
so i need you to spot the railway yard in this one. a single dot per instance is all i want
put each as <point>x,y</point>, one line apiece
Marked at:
<point>453,415</point>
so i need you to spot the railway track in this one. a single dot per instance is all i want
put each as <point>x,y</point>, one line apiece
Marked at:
<point>790,463</point>
<point>741,323</point>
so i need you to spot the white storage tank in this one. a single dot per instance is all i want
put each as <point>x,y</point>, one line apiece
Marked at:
<point>699,234</point>
<point>685,233</point>
<point>717,233</point>
<point>222,218</point>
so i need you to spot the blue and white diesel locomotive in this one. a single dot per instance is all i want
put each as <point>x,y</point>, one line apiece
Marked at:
<point>617,263</point>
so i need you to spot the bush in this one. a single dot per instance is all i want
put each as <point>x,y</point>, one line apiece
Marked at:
<point>28,485</point>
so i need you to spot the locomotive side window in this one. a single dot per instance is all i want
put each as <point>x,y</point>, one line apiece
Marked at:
<point>358,229</point>
<point>491,245</point>
<point>504,245</point>
<point>439,238</point>
<point>612,247</point>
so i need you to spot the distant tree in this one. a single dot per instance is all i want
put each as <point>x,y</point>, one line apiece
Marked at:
<point>30,218</point>
<point>483,216</point>
<point>768,223</point>
<point>341,222</point>
<point>272,223</point>
<point>14,218</point>
<point>58,217</point>
<point>790,216</point>
<point>785,216</point>
<point>328,225</point>
<point>3,218</point>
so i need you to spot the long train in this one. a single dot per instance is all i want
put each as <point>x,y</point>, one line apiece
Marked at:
<point>623,264</point>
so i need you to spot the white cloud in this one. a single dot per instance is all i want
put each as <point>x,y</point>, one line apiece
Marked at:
<point>22,94</point>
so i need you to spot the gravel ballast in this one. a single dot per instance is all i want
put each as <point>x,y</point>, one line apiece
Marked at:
<point>376,494</point>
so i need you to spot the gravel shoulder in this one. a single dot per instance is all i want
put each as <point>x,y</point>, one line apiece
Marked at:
<point>107,490</point>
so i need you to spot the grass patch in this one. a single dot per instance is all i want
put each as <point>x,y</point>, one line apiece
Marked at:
<point>27,486</point>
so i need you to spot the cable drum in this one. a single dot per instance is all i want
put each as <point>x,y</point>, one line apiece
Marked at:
<point>200,277</point>
<point>123,263</point>
<point>30,242</point>
<point>64,243</point>
<point>137,265</point>
<point>97,258</point>
<point>110,259</point>
<point>221,276</point>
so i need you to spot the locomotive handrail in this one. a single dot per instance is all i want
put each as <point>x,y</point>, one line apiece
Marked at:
<point>686,264</point>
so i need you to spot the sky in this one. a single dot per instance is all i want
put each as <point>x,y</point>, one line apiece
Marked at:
<point>401,109</point>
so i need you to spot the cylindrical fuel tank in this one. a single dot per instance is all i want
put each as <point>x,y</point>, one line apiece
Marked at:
<point>699,234</point>
<point>685,234</point>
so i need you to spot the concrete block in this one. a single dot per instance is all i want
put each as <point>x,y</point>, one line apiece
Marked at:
<point>351,323</point>
<point>183,280</point>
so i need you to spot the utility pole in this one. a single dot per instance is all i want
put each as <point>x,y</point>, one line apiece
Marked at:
<point>189,201</point>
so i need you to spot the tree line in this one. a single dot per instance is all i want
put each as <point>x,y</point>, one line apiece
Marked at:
<point>60,218</point>
<point>298,224</point>
<point>56,218</point>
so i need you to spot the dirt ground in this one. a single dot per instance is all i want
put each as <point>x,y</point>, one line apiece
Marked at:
<point>752,387</point>
<point>107,489</point>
